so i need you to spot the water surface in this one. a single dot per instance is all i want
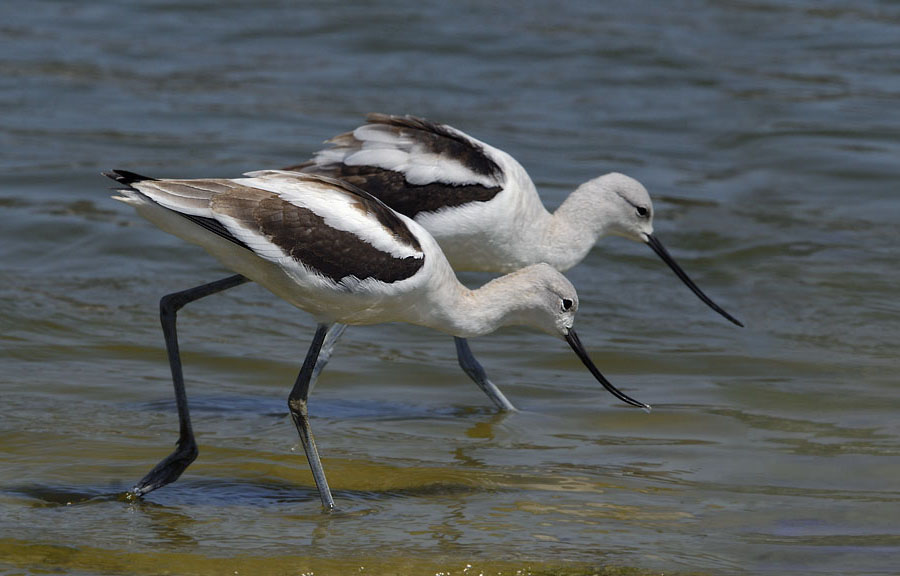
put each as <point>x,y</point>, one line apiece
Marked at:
<point>768,134</point>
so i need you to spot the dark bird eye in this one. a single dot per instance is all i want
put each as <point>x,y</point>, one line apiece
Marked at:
<point>642,212</point>
<point>567,304</point>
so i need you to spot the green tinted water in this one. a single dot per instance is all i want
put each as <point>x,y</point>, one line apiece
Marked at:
<point>768,137</point>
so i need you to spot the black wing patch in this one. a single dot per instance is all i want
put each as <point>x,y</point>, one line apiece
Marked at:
<point>408,199</point>
<point>215,227</point>
<point>392,188</point>
<point>371,204</point>
<point>307,239</point>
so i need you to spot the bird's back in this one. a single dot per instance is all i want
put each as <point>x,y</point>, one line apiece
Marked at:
<point>477,201</point>
<point>321,244</point>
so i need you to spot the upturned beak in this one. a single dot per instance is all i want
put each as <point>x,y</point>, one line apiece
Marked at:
<point>575,343</point>
<point>654,243</point>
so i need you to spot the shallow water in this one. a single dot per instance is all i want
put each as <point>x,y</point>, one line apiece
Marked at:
<point>768,134</point>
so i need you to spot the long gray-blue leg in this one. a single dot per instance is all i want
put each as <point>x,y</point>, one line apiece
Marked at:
<point>476,372</point>
<point>331,339</point>
<point>171,467</point>
<point>297,405</point>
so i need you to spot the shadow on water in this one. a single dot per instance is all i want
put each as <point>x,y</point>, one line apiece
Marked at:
<point>46,496</point>
<point>333,408</point>
<point>233,492</point>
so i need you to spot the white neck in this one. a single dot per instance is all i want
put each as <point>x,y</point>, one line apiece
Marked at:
<point>509,300</point>
<point>524,233</point>
<point>561,239</point>
<point>571,231</point>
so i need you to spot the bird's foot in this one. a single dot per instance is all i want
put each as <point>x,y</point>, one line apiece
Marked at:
<point>168,470</point>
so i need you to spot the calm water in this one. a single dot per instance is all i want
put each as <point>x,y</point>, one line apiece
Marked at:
<point>767,132</point>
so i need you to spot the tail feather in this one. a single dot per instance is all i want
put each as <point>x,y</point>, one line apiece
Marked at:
<point>125,177</point>
<point>184,198</point>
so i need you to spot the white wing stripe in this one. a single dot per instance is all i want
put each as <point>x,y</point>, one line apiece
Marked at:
<point>337,209</point>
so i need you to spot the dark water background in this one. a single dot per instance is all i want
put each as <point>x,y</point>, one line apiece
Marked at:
<point>768,134</point>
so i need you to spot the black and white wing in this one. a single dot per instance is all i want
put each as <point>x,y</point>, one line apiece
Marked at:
<point>417,166</point>
<point>311,225</point>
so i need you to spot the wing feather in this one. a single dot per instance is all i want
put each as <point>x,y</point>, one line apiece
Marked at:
<point>327,226</point>
<point>413,165</point>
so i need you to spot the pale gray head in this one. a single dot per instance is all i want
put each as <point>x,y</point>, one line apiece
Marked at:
<point>555,314</point>
<point>553,300</point>
<point>628,211</point>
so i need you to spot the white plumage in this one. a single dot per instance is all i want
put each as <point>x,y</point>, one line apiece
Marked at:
<point>340,254</point>
<point>481,205</point>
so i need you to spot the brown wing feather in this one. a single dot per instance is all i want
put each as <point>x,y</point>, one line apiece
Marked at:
<point>309,240</point>
<point>392,187</point>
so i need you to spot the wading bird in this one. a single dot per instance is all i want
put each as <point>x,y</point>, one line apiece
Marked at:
<point>337,252</point>
<point>481,206</point>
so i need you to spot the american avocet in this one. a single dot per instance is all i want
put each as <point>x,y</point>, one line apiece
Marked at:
<point>337,252</point>
<point>482,207</point>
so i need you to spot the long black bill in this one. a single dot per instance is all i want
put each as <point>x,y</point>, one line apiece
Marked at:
<point>661,251</point>
<point>575,343</point>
